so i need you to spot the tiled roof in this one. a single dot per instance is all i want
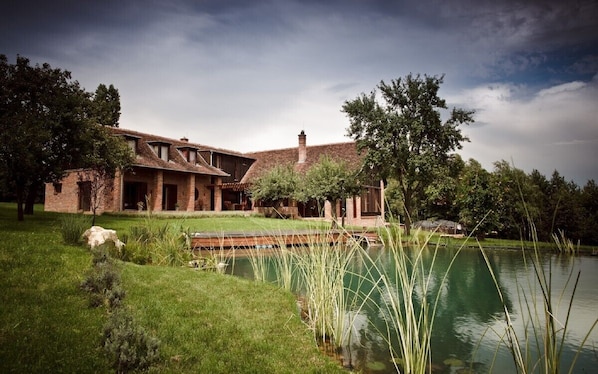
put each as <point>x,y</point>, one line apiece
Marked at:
<point>146,157</point>
<point>266,160</point>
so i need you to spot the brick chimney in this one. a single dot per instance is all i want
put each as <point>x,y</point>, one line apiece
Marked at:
<point>302,148</point>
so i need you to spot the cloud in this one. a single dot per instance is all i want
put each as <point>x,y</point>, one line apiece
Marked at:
<point>555,128</point>
<point>249,75</point>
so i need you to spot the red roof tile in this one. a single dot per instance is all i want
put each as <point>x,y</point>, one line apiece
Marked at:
<point>146,157</point>
<point>266,160</point>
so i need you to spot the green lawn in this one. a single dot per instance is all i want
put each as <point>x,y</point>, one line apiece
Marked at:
<point>206,322</point>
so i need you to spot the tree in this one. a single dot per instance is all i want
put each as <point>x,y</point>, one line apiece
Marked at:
<point>440,196</point>
<point>589,203</point>
<point>106,105</point>
<point>476,199</point>
<point>105,155</point>
<point>516,201</point>
<point>42,117</point>
<point>47,125</point>
<point>405,138</point>
<point>330,180</point>
<point>274,186</point>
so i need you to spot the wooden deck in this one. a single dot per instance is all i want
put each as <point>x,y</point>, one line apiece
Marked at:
<point>264,240</point>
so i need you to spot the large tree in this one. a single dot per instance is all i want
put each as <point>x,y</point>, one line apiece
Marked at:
<point>405,137</point>
<point>46,125</point>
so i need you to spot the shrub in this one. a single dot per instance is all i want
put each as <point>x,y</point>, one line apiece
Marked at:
<point>72,227</point>
<point>101,278</point>
<point>128,346</point>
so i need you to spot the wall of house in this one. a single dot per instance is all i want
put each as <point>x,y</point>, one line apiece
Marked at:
<point>203,200</point>
<point>64,196</point>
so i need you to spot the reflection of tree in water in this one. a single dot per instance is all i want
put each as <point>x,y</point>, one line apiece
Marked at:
<point>468,301</point>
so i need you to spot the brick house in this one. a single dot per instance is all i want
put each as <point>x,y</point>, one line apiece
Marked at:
<point>364,210</point>
<point>167,174</point>
<point>172,174</point>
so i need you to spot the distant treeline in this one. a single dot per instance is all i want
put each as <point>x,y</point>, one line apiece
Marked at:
<point>507,202</point>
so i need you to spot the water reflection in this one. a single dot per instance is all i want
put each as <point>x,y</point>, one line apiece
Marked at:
<point>469,320</point>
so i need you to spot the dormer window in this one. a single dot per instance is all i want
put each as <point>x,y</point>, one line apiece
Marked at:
<point>132,143</point>
<point>189,154</point>
<point>161,150</point>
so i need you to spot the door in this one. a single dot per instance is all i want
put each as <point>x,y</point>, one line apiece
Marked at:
<point>169,197</point>
<point>85,196</point>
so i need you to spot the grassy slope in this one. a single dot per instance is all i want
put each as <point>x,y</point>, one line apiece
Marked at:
<point>206,322</point>
<point>45,324</point>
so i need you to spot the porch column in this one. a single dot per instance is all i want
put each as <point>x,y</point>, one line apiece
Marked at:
<point>218,195</point>
<point>158,188</point>
<point>117,193</point>
<point>191,193</point>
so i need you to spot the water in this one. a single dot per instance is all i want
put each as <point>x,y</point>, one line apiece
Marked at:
<point>470,316</point>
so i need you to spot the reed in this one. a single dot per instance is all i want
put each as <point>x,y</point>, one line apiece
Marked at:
<point>410,295</point>
<point>259,261</point>
<point>539,347</point>
<point>565,245</point>
<point>323,268</point>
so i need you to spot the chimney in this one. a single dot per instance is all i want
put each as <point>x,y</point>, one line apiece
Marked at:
<point>184,139</point>
<point>302,148</point>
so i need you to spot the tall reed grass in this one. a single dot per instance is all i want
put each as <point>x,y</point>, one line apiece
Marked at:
<point>410,298</point>
<point>318,274</point>
<point>539,347</point>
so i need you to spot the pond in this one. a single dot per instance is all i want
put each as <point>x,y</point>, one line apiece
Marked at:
<point>469,319</point>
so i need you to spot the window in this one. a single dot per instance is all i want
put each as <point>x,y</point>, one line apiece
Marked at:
<point>132,143</point>
<point>57,188</point>
<point>370,201</point>
<point>189,154</point>
<point>161,150</point>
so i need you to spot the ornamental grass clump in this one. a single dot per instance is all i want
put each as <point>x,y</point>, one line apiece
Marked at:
<point>72,227</point>
<point>158,244</point>
<point>330,305</point>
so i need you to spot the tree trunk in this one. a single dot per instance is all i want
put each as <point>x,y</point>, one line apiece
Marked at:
<point>20,215</point>
<point>407,204</point>
<point>30,198</point>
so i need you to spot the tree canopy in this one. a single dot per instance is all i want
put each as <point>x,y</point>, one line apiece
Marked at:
<point>48,124</point>
<point>277,184</point>
<point>330,180</point>
<point>405,137</point>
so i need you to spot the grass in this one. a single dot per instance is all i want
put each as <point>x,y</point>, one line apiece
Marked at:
<point>45,322</point>
<point>206,322</point>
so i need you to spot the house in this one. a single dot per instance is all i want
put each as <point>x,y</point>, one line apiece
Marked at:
<point>364,210</point>
<point>167,175</point>
<point>170,174</point>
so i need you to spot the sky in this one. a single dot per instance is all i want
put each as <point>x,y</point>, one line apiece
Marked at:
<point>250,75</point>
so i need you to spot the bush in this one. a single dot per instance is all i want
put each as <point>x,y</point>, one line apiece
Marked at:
<point>160,244</point>
<point>128,346</point>
<point>72,227</point>
<point>102,279</point>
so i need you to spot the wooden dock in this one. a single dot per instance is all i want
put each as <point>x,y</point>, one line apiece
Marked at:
<point>265,240</point>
